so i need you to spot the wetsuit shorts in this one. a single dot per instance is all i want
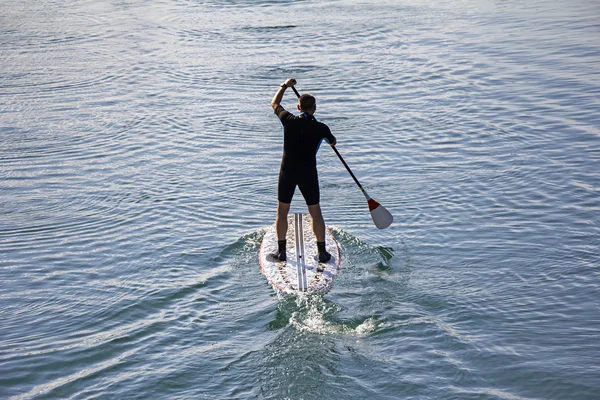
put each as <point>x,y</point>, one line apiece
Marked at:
<point>307,182</point>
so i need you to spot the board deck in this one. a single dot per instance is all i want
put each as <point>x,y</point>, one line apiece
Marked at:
<point>302,272</point>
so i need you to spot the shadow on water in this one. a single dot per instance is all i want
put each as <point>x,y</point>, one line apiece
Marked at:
<point>390,263</point>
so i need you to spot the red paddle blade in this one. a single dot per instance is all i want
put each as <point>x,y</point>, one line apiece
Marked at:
<point>373,204</point>
<point>381,217</point>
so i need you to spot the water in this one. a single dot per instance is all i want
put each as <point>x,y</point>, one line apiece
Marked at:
<point>139,158</point>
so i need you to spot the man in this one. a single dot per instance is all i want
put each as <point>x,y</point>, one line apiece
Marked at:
<point>302,136</point>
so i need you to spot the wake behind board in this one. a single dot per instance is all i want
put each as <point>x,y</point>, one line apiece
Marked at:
<point>302,272</point>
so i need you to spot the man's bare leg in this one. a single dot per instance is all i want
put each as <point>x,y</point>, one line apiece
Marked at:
<point>317,221</point>
<point>281,222</point>
<point>319,230</point>
<point>281,226</point>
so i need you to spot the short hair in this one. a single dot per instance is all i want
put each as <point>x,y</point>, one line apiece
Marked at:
<point>306,101</point>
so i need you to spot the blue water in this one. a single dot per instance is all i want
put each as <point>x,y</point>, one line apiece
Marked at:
<point>138,171</point>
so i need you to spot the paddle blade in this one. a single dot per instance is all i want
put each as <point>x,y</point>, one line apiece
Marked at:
<point>381,216</point>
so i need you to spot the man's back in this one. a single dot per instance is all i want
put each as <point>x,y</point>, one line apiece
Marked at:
<point>302,137</point>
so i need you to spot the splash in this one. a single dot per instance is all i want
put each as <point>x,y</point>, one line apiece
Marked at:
<point>315,314</point>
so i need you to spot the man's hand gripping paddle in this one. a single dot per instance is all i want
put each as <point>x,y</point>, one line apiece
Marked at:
<point>381,216</point>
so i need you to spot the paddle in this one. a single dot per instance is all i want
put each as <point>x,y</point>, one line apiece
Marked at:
<point>381,216</point>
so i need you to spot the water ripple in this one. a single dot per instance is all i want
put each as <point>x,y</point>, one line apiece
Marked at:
<point>138,171</point>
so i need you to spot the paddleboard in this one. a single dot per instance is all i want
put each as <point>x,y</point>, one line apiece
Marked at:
<point>302,272</point>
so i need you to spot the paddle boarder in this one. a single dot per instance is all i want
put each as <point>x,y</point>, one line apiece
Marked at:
<point>302,136</point>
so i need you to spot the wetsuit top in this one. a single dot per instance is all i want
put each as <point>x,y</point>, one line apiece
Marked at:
<point>302,136</point>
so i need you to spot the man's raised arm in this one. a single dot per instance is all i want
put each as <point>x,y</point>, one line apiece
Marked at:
<point>276,102</point>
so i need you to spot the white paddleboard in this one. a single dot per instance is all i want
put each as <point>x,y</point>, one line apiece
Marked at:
<point>302,272</point>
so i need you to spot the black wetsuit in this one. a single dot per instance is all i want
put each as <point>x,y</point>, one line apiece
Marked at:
<point>302,136</point>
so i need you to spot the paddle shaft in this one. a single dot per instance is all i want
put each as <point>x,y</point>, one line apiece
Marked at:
<point>342,159</point>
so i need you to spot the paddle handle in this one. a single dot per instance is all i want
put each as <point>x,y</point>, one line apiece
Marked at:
<point>350,172</point>
<point>342,160</point>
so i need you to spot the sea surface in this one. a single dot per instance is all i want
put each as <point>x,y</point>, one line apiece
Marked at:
<point>138,172</point>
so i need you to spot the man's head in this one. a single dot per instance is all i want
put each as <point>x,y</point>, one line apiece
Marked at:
<point>307,103</point>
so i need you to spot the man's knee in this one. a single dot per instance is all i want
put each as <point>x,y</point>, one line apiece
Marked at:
<point>283,208</point>
<point>315,210</point>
